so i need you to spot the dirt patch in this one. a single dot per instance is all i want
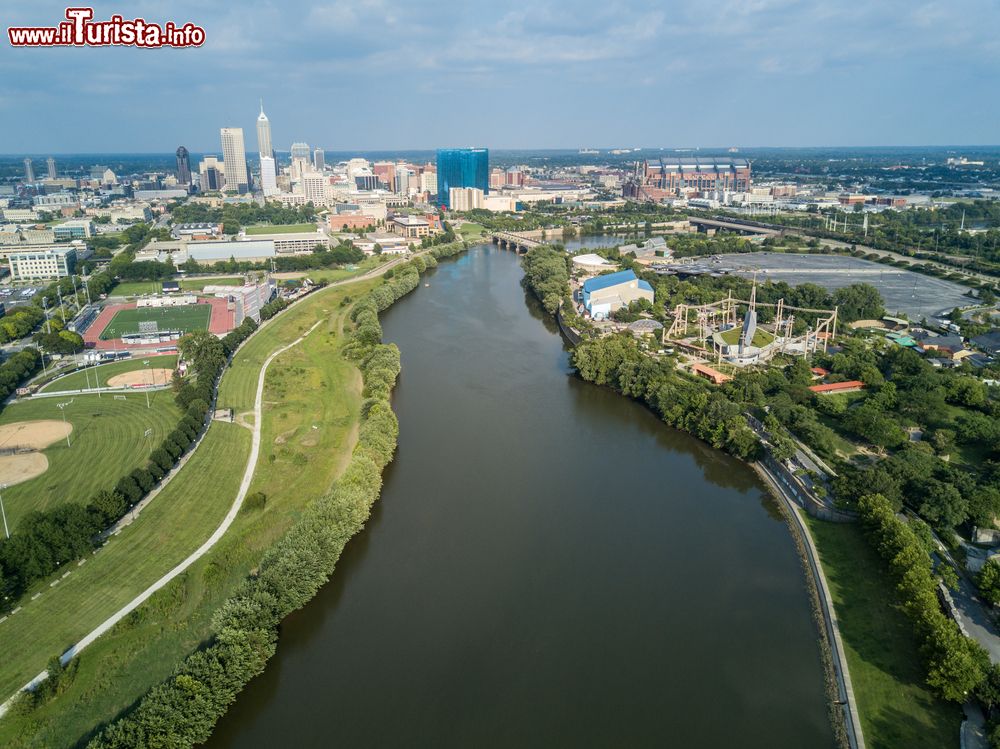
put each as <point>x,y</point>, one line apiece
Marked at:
<point>33,434</point>
<point>141,377</point>
<point>21,467</point>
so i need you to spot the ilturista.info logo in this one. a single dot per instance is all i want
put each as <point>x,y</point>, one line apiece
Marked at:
<point>81,30</point>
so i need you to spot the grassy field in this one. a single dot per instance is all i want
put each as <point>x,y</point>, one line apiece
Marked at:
<point>99,375</point>
<point>188,318</point>
<point>896,707</point>
<point>760,337</point>
<point>138,288</point>
<point>107,441</point>
<point>311,407</point>
<point>279,229</point>
<point>470,231</point>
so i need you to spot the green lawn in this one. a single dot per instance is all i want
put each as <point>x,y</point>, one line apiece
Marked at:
<point>186,319</point>
<point>108,440</point>
<point>136,288</point>
<point>139,288</point>
<point>470,230</point>
<point>99,375</point>
<point>197,284</point>
<point>896,709</point>
<point>760,337</point>
<point>280,229</point>
<point>308,386</point>
<point>169,529</point>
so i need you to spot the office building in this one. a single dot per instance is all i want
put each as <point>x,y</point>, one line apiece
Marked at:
<point>429,181</point>
<point>42,263</point>
<point>313,186</point>
<point>264,147</point>
<point>268,177</point>
<point>300,151</point>
<point>234,155</point>
<point>386,173</point>
<point>403,175</point>
<point>29,172</point>
<point>81,228</point>
<point>319,159</point>
<point>213,174</point>
<point>462,168</point>
<point>50,163</point>
<point>183,166</point>
<point>692,174</point>
<point>463,198</point>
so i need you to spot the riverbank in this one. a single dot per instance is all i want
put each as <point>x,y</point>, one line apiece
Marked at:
<point>304,431</point>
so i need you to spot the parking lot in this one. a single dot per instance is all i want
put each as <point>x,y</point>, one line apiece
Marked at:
<point>904,292</point>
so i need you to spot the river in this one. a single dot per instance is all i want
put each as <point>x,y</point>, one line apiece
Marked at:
<point>549,565</point>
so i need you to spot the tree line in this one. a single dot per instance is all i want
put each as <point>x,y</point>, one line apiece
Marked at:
<point>46,540</point>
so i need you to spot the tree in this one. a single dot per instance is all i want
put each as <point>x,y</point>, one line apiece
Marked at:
<point>989,581</point>
<point>859,301</point>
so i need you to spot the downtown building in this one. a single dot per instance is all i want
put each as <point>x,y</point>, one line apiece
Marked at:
<point>462,168</point>
<point>688,176</point>
<point>234,156</point>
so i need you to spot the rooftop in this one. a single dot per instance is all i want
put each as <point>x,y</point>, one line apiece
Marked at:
<point>613,279</point>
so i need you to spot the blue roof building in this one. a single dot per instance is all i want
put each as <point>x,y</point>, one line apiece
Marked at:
<point>603,295</point>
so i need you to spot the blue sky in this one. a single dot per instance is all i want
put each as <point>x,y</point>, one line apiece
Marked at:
<point>393,74</point>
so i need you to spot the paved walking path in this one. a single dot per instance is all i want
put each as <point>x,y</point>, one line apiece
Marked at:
<point>201,550</point>
<point>230,516</point>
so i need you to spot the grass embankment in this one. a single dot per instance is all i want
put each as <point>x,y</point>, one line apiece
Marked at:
<point>98,376</point>
<point>470,231</point>
<point>108,440</point>
<point>896,707</point>
<point>309,385</point>
<point>760,337</point>
<point>279,229</point>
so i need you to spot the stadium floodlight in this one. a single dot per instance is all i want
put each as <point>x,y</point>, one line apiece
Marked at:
<point>2,511</point>
<point>62,410</point>
<point>145,363</point>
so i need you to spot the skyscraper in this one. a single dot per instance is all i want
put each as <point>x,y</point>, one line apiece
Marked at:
<point>319,159</point>
<point>234,156</point>
<point>300,151</point>
<point>51,164</point>
<point>29,172</point>
<point>264,134</point>
<point>268,176</point>
<point>183,166</point>
<point>462,167</point>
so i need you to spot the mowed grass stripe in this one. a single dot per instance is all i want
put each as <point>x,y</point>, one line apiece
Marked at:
<point>186,319</point>
<point>100,374</point>
<point>108,440</point>
<point>170,528</point>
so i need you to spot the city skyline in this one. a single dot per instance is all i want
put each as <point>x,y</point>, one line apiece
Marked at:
<point>784,73</point>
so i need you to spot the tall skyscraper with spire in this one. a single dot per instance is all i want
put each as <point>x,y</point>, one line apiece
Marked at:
<point>264,134</point>
<point>183,166</point>
<point>51,164</point>
<point>234,154</point>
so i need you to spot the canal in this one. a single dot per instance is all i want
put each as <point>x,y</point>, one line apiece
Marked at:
<point>549,565</point>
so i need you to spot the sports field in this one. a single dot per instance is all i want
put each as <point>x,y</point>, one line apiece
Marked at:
<point>280,229</point>
<point>107,440</point>
<point>103,373</point>
<point>186,319</point>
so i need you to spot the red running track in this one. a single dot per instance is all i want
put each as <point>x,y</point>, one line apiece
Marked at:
<point>221,322</point>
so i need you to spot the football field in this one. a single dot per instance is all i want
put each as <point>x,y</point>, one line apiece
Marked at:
<point>186,319</point>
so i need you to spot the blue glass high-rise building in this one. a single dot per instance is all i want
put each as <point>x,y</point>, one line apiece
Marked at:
<point>462,167</point>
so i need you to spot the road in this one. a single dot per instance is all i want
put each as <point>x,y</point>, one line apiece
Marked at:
<point>234,509</point>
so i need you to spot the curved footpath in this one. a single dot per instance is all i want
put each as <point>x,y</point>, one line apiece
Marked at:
<point>226,522</point>
<point>845,690</point>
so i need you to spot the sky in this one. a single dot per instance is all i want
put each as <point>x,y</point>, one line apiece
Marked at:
<point>398,74</point>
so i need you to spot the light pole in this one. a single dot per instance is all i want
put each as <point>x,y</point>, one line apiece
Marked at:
<point>145,363</point>
<point>62,410</point>
<point>3,512</point>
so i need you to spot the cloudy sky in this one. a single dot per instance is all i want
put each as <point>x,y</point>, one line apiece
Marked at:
<point>397,74</point>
